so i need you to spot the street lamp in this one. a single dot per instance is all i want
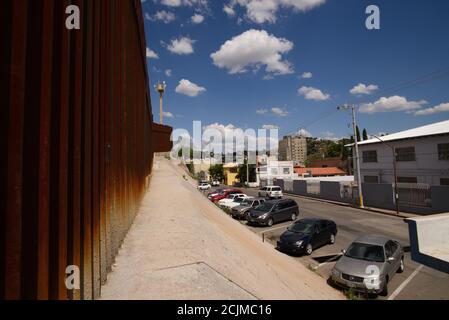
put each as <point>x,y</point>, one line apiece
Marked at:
<point>357,158</point>
<point>160,87</point>
<point>396,193</point>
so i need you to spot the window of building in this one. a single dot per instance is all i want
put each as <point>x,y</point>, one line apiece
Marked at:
<point>443,151</point>
<point>407,180</point>
<point>405,154</point>
<point>371,179</point>
<point>286,170</point>
<point>370,156</point>
<point>444,181</point>
<point>274,171</point>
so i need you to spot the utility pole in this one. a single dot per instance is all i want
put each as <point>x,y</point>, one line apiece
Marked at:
<point>356,144</point>
<point>160,87</point>
<point>396,193</point>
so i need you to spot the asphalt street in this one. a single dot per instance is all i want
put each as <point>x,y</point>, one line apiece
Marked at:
<point>417,282</point>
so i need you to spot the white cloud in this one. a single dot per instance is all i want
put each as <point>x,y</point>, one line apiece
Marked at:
<point>189,88</point>
<point>279,112</point>
<point>151,54</point>
<point>229,10</point>
<point>181,46</point>
<point>262,11</point>
<point>444,107</point>
<point>315,94</point>
<point>171,3</point>
<point>364,89</point>
<point>228,142</point>
<point>178,3</point>
<point>197,18</point>
<point>307,75</point>
<point>275,111</point>
<point>168,114</point>
<point>391,104</point>
<point>168,72</point>
<point>253,49</point>
<point>162,15</point>
<point>269,126</point>
<point>304,133</point>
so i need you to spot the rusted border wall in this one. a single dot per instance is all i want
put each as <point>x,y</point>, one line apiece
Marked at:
<point>162,138</point>
<point>77,141</point>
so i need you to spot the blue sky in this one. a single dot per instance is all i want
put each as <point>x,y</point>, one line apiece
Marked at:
<point>255,79</point>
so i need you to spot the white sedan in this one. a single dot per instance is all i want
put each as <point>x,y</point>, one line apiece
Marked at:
<point>237,201</point>
<point>204,186</point>
<point>230,198</point>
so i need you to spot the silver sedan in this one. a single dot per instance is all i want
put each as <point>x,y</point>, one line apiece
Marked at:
<point>369,264</point>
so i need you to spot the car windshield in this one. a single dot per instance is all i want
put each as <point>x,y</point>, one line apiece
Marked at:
<point>367,252</point>
<point>247,202</point>
<point>231,196</point>
<point>301,227</point>
<point>239,200</point>
<point>265,206</point>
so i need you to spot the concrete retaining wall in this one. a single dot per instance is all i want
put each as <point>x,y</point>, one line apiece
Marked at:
<point>330,190</point>
<point>378,195</point>
<point>375,195</point>
<point>440,198</point>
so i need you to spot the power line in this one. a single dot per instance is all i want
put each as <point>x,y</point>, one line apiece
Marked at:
<point>429,77</point>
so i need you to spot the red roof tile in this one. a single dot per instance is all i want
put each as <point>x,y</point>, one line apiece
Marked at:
<point>317,172</point>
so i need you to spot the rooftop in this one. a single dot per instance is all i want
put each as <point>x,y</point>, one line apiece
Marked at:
<point>317,172</point>
<point>424,131</point>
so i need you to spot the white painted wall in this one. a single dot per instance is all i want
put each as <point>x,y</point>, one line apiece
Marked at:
<point>427,168</point>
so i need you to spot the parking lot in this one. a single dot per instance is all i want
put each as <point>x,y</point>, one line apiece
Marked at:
<point>417,282</point>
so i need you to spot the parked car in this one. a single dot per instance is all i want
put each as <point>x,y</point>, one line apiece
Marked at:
<point>306,235</point>
<point>369,264</point>
<point>224,194</point>
<point>236,202</point>
<point>272,192</point>
<point>215,183</point>
<point>241,211</point>
<point>204,186</point>
<point>273,211</point>
<point>230,198</point>
<point>215,193</point>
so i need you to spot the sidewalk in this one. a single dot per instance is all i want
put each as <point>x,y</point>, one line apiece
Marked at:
<point>403,215</point>
<point>182,247</point>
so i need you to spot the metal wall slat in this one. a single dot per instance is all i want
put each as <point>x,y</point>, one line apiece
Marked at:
<point>78,132</point>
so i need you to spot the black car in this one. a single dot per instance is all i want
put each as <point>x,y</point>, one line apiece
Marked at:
<point>306,235</point>
<point>273,211</point>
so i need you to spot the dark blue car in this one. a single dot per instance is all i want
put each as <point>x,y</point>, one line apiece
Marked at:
<point>306,235</point>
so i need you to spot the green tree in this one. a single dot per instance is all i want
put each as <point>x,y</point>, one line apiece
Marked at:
<point>358,133</point>
<point>242,173</point>
<point>365,135</point>
<point>217,172</point>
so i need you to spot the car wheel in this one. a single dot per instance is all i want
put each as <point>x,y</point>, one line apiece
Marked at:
<point>384,292</point>
<point>332,239</point>
<point>293,216</point>
<point>270,222</point>
<point>309,249</point>
<point>401,266</point>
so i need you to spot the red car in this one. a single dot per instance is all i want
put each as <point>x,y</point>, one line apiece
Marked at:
<point>224,194</point>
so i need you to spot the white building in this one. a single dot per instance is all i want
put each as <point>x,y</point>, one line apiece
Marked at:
<point>270,169</point>
<point>422,156</point>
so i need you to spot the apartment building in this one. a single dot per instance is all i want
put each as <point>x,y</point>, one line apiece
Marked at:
<point>293,148</point>
<point>421,156</point>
